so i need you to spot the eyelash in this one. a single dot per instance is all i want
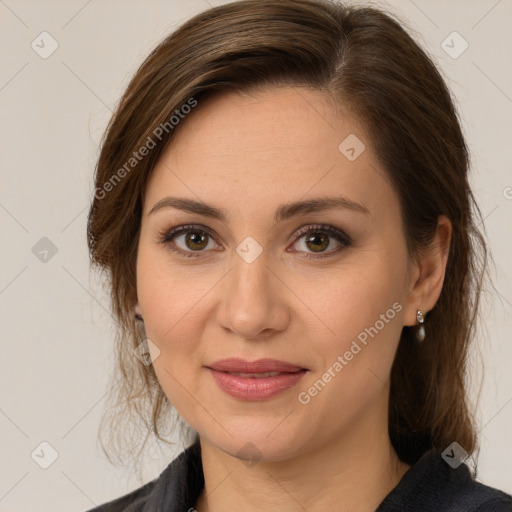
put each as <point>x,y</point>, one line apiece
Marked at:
<point>165,237</point>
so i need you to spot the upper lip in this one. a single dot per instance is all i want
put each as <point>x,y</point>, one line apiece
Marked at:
<point>258,366</point>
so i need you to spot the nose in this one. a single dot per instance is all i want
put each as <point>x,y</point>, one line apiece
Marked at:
<point>254,304</point>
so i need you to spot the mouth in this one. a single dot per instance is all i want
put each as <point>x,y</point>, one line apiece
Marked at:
<point>254,375</point>
<point>236,365</point>
<point>255,380</point>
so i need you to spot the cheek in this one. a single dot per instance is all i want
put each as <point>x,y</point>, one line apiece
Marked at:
<point>357,294</point>
<point>364,311</point>
<point>171,309</point>
<point>363,308</point>
<point>164,292</point>
<point>172,322</point>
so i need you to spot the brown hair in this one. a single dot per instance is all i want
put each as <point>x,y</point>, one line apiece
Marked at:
<point>365,61</point>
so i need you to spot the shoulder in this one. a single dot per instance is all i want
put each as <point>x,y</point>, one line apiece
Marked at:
<point>482,498</point>
<point>432,484</point>
<point>177,488</point>
<point>131,502</point>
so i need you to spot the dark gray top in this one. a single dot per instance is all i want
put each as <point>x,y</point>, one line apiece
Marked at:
<point>430,485</point>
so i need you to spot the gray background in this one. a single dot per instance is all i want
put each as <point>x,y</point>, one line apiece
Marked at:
<point>57,332</point>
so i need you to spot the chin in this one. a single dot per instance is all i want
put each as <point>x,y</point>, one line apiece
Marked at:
<point>258,443</point>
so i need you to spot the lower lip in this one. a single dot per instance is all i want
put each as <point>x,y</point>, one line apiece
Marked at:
<point>254,388</point>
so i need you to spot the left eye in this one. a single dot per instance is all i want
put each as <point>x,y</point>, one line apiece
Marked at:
<point>195,240</point>
<point>316,239</point>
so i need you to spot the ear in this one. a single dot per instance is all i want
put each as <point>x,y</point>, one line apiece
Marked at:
<point>136,309</point>
<point>427,273</point>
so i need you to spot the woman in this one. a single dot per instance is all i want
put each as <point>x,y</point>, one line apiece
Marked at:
<point>283,210</point>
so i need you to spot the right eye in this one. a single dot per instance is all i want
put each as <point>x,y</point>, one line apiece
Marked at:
<point>188,241</point>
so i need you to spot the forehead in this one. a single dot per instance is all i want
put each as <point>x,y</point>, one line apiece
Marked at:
<point>269,125</point>
<point>269,147</point>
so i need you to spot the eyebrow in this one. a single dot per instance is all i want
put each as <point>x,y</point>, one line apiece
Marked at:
<point>284,212</point>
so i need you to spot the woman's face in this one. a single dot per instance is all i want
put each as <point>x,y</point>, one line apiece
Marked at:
<point>323,291</point>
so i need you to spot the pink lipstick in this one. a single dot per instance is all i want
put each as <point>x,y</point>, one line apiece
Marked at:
<point>255,380</point>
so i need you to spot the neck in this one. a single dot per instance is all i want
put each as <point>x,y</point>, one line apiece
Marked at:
<point>354,473</point>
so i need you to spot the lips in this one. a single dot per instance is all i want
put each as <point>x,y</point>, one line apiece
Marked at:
<point>234,365</point>
<point>254,375</point>
<point>255,380</point>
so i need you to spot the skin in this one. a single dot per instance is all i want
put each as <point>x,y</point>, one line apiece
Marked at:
<point>249,154</point>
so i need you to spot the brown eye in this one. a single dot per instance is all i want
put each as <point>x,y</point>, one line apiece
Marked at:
<point>188,241</point>
<point>317,242</point>
<point>314,241</point>
<point>196,240</point>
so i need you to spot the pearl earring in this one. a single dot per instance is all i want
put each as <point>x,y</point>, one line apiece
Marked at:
<point>420,317</point>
